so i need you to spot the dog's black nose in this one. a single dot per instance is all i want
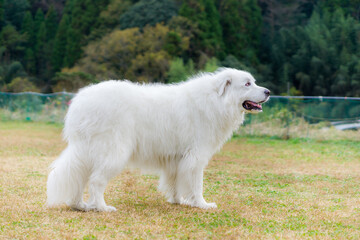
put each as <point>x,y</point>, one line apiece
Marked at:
<point>267,92</point>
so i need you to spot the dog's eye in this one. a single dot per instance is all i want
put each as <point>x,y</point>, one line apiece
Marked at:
<point>248,84</point>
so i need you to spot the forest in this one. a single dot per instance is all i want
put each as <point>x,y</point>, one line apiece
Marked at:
<point>302,47</point>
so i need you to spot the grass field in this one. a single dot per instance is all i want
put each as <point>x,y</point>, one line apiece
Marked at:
<point>264,188</point>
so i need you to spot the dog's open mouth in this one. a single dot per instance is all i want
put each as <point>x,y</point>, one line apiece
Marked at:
<point>250,106</point>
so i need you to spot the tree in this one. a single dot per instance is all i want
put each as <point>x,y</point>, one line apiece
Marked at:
<point>30,61</point>
<point>241,23</point>
<point>15,11</point>
<point>27,28</point>
<point>21,84</point>
<point>73,46</point>
<point>109,18</point>
<point>205,14</point>
<point>130,53</point>
<point>179,71</point>
<point>71,81</point>
<point>148,12</point>
<point>12,41</point>
<point>40,50</point>
<point>2,14</point>
<point>83,15</point>
<point>320,58</point>
<point>60,44</point>
<point>38,20</point>
<point>10,71</point>
<point>51,23</point>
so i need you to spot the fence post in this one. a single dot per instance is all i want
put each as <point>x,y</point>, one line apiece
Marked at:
<point>28,118</point>
<point>287,136</point>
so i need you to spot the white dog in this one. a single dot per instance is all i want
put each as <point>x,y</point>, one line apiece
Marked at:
<point>173,130</point>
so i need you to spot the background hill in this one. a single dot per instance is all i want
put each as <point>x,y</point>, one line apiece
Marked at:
<point>312,45</point>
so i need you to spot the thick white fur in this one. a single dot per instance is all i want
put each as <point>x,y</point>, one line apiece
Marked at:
<point>173,130</point>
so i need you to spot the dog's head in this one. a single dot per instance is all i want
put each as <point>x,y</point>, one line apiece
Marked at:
<point>239,87</point>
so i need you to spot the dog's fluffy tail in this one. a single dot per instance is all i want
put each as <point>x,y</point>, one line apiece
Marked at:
<point>66,180</point>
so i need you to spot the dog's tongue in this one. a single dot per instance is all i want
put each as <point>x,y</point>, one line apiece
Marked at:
<point>255,105</point>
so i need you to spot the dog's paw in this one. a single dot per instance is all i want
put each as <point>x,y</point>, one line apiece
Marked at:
<point>105,208</point>
<point>108,209</point>
<point>81,206</point>
<point>173,200</point>
<point>207,206</point>
<point>201,204</point>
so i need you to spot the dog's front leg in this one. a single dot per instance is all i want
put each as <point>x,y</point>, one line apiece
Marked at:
<point>190,184</point>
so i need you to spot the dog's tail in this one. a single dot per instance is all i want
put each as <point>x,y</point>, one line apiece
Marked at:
<point>66,180</point>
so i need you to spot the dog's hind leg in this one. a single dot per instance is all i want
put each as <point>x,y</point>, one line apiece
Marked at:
<point>112,165</point>
<point>67,180</point>
<point>168,185</point>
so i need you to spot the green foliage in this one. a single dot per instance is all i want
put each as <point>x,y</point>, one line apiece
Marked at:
<point>60,44</point>
<point>175,44</point>
<point>83,16</point>
<point>73,46</point>
<point>311,44</point>
<point>179,71</point>
<point>10,71</point>
<point>232,62</point>
<point>211,65</point>
<point>40,49</point>
<point>2,14</point>
<point>320,58</point>
<point>51,23</point>
<point>206,16</point>
<point>15,11</point>
<point>20,84</point>
<point>71,82</point>
<point>30,61</point>
<point>27,28</point>
<point>38,19</point>
<point>131,54</point>
<point>148,12</point>
<point>241,22</point>
<point>12,41</point>
<point>109,18</point>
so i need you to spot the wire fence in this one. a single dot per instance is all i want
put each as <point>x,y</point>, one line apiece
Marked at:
<point>283,116</point>
<point>31,106</point>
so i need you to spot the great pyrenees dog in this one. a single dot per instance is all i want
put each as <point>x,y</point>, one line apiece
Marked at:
<point>172,130</point>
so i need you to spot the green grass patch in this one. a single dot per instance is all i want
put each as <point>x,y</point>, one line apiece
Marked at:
<point>265,188</point>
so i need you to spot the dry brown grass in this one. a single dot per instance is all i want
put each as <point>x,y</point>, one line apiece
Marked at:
<point>264,188</point>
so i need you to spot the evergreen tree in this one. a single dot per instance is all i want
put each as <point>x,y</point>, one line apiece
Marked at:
<point>15,11</point>
<point>38,20</point>
<point>40,50</point>
<point>60,43</point>
<point>12,42</point>
<point>206,16</point>
<point>233,25</point>
<point>2,14</point>
<point>253,22</point>
<point>30,61</point>
<point>320,58</point>
<point>241,21</point>
<point>73,47</point>
<point>83,15</point>
<point>148,12</point>
<point>27,28</point>
<point>51,23</point>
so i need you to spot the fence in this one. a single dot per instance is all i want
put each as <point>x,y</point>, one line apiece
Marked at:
<point>34,106</point>
<point>283,116</point>
<point>305,116</point>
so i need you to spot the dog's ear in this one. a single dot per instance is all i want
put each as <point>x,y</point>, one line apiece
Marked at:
<point>223,86</point>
